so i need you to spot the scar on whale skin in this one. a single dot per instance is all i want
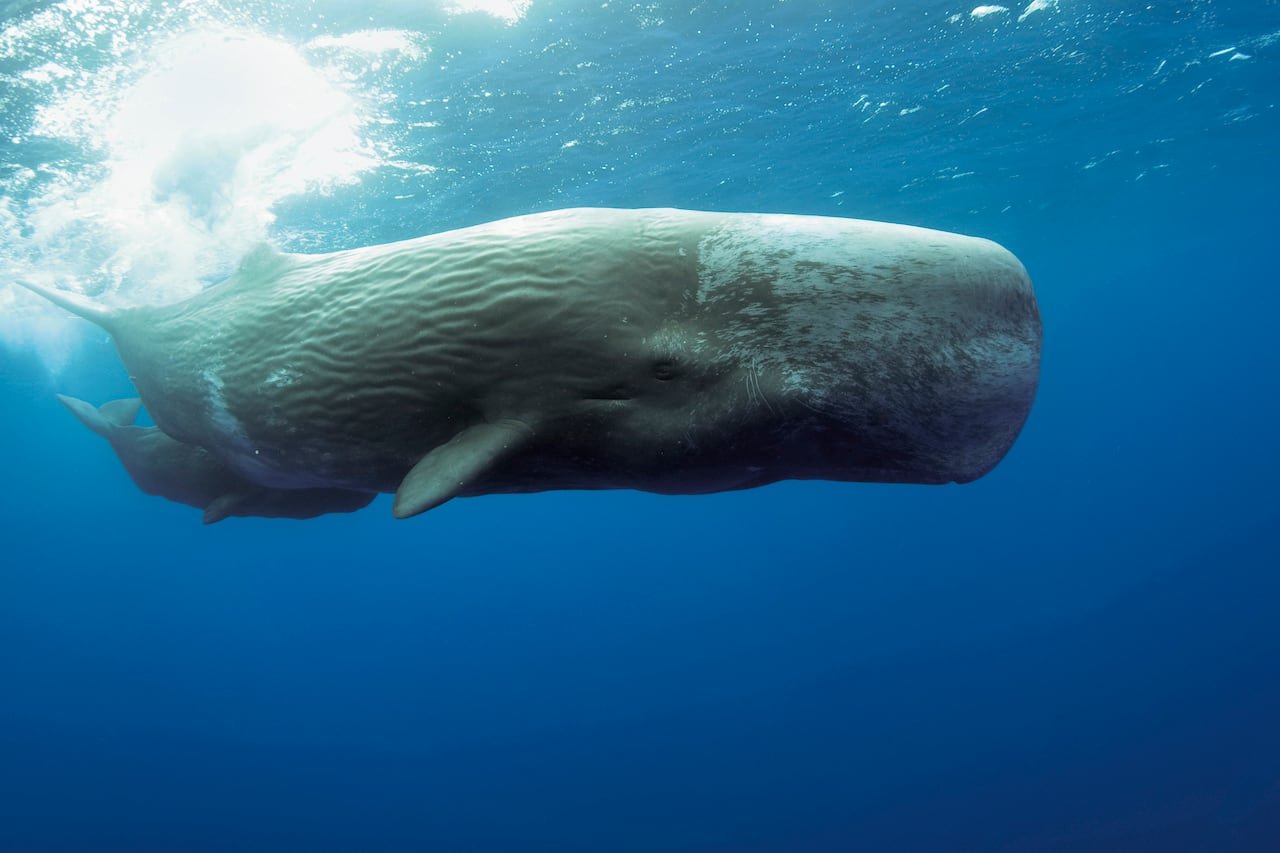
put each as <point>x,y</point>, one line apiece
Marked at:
<point>672,351</point>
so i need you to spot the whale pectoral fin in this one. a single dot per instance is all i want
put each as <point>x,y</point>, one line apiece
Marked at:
<point>449,469</point>
<point>121,412</point>
<point>117,413</point>
<point>222,507</point>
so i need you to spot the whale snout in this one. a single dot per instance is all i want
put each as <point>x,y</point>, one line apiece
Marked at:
<point>937,382</point>
<point>913,354</point>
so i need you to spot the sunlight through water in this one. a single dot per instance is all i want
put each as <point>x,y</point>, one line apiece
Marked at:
<point>158,163</point>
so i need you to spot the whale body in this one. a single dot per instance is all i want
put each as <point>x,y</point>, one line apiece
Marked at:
<point>189,474</point>
<point>664,350</point>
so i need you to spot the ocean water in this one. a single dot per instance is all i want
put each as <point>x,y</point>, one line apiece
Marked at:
<point>1080,651</point>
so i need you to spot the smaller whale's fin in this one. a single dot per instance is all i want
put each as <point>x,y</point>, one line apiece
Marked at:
<point>117,413</point>
<point>450,469</point>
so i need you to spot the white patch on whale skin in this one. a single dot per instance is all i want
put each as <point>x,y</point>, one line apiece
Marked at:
<point>239,449</point>
<point>226,424</point>
<point>232,435</point>
<point>801,260</point>
<point>281,377</point>
<point>751,250</point>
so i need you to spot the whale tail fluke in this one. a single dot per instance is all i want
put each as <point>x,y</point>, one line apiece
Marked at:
<point>81,306</point>
<point>111,416</point>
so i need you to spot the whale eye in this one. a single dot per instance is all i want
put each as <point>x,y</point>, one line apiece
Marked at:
<point>664,371</point>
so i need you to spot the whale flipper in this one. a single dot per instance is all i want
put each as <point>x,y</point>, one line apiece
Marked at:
<point>224,506</point>
<point>449,469</point>
<point>113,415</point>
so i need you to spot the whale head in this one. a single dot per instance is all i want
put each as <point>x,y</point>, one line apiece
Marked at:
<point>800,347</point>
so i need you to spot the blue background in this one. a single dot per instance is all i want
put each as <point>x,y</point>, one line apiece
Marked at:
<point>1079,652</point>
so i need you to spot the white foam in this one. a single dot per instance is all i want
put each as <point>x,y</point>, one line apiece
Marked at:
<point>200,149</point>
<point>508,11</point>
<point>984,11</point>
<point>374,42</point>
<point>185,148</point>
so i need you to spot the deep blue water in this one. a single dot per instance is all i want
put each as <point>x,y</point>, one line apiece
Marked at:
<point>1080,651</point>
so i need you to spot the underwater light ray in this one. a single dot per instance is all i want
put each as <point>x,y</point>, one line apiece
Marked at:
<point>172,160</point>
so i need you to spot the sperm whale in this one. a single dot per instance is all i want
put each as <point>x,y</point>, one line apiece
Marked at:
<point>666,350</point>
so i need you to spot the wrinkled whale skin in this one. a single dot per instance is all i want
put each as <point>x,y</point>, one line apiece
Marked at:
<point>664,350</point>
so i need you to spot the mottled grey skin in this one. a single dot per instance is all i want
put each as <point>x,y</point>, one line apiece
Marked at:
<point>664,350</point>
